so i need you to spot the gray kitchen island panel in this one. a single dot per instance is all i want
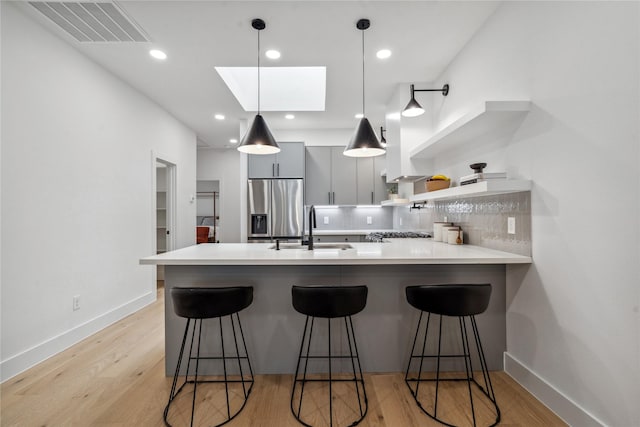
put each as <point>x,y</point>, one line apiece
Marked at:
<point>384,329</point>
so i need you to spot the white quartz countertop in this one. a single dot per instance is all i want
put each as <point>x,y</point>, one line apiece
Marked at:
<point>392,251</point>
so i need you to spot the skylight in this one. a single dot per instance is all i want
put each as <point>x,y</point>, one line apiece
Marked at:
<point>281,88</point>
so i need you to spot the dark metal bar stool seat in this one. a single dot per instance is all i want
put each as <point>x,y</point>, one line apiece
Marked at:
<point>197,304</point>
<point>329,302</point>
<point>463,301</point>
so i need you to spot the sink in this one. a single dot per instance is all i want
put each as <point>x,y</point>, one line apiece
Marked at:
<point>316,246</point>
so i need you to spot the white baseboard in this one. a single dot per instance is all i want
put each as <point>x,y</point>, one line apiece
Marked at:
<point>572,413</point>
<point>21,362</point>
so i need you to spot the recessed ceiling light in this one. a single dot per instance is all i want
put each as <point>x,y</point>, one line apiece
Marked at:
<point>158,54</point>
<point>359,116</point>
<point>272,54</point>
<point>233,141</point>
<point>289,116</point>
<point>219,116</point>
<point>383,53</point>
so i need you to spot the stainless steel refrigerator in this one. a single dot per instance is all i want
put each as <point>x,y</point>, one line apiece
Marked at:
<point>276,209</point>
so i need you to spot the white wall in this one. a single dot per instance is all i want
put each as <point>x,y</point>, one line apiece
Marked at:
<point>573,327</point>
<point>229,167</point>
<point>77,193</point>
<point>313,137</point>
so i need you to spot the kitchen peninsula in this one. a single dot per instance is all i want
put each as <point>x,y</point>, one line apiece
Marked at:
<point>272,327</point>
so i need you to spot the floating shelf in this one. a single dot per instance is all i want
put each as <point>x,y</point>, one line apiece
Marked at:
<point>490,119</point>
<point>395,202</point>
<point>486,188</point>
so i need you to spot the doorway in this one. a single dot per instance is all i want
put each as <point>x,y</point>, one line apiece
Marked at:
<point>164,211</point>
<point>208,209</point>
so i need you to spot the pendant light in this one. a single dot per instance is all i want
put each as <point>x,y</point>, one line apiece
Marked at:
<point>413,109</point>
<point>364,142</point>
<point>258,139</point>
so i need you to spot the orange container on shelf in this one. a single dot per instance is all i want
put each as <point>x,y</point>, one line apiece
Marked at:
<point>438,184</point>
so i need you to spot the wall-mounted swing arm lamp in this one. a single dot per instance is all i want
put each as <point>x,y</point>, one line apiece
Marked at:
<point>364,142</point>
<point>258,139</point>
<point>414,109</point>
<point>383,140</point>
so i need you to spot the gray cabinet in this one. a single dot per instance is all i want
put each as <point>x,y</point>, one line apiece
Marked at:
<point>343,178</point>
<point>288,163</point>
<point>330,177</point>
<point>337,238</point>
<point>371,185</point>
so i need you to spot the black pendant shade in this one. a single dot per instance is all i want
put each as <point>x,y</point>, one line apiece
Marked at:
<point>258,139</point>
<point>364,142</point>
<point>413,109</point>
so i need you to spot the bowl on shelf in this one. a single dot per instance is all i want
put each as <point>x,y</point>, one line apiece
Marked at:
<point>478,167</point>
<point>439,184</point>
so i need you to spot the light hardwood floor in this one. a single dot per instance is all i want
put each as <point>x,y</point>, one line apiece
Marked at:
<point>116,378</point>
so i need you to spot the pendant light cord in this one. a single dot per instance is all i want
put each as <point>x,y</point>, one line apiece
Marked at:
<point>258,71</point>
<point>363,114</point>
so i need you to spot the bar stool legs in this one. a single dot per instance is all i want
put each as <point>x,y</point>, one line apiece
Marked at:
<point>328,302</point>
<point>196,305</point>
<point>357,379</point>
<point>461,301</point>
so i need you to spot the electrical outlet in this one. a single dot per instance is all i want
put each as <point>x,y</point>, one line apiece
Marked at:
<point>511,225</point>
<point>325,220</point>
<point>369,220</point>
<point>400,221</point>
<point>76,302</point>
<point>445,219</point>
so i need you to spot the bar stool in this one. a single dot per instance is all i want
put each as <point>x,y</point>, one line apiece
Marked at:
<point>463,302</point>
<point>329,302</point>
<point>196,304</point>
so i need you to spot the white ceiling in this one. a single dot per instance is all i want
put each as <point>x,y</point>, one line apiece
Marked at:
<point>424,36</point>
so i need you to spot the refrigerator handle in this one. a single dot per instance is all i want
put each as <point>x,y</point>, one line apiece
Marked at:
<point>333,197</point>
<point>329,194</point>
<point>372,197</point>
<point>273,169</point>
<point>277,169</point>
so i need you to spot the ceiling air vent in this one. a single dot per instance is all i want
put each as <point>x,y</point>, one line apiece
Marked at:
<point>92,22</point>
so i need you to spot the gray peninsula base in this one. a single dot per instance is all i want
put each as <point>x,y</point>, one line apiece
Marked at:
<point>384,329</point>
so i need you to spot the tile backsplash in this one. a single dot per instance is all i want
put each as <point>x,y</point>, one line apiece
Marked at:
<point>353,217</point>
<point>483,220</point>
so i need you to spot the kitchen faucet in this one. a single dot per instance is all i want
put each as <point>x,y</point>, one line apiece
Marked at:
<point>312,225</point>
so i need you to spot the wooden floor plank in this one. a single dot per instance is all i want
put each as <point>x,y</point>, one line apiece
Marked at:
<point>115,378</point>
